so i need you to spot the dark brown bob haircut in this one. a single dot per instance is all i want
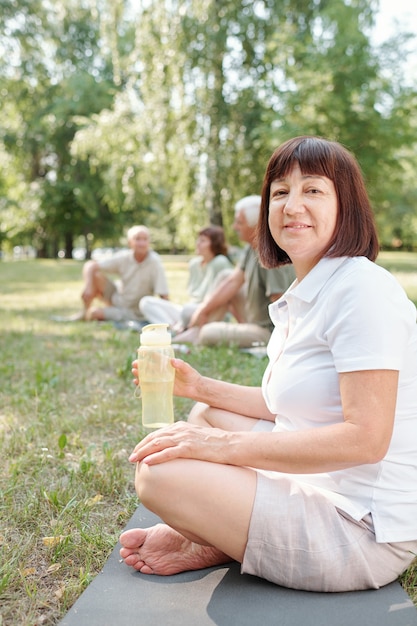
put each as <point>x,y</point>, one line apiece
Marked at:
<point>355,233</point>
<point>217,239</point>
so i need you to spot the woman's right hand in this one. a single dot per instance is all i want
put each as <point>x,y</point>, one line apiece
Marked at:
<point>135,372</point>
<point>186,382</point>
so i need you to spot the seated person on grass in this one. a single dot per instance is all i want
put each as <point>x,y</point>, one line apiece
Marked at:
<point>247,292</point>
<point>205,270</point>
<point>308,481</point>
<point>141,273</point>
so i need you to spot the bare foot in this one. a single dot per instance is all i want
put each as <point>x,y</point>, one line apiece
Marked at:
<point>162,550</point>
<point>190,335</point>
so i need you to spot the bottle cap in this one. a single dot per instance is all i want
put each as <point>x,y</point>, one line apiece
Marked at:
<point>155,335</point>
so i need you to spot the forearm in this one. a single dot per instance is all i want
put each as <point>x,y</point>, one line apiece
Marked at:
<point>239,399</point>
<point>223,294</point>
<point>363,437</point>
<point>311,451</point>
<point>218,298</point>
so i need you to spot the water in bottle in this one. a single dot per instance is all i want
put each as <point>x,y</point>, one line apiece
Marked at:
<point>156,376</point>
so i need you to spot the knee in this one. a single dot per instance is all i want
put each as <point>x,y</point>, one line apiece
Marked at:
<point>154,484</point>
<point>145,305</point>
<point>199,414</point>
<point>158,486</point>
<point>211,334</point>
<point>92,272</point>
<point>144,483</point>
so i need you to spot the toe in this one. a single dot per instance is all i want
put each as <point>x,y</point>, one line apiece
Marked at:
<point>132,538</point>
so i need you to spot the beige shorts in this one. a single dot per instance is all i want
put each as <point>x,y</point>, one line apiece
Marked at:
<point>116,312</point>
<point>299,539</point>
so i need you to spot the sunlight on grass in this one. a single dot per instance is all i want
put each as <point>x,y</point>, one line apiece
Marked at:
<point>68,420</point>
<point>404,267</point>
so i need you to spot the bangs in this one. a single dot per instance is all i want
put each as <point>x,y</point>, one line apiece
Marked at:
<point>313,156</point>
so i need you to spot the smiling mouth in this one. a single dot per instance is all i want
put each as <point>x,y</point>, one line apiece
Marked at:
<point>297,226</point>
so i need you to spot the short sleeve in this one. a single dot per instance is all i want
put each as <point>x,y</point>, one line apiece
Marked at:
<point>115,263</point>
<point>369,322</point>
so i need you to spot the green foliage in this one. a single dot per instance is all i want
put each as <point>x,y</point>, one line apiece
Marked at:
<point>119,112</point>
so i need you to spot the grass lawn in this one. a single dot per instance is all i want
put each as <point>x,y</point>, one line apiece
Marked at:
<point>68,419</point>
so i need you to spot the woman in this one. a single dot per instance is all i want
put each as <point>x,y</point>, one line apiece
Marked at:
<point>205,270</point>
<point>310,480</point>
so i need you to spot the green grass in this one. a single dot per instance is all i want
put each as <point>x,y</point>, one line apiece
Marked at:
<point>68,420</point>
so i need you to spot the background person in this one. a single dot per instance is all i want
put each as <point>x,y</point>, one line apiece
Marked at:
<point>204,271</point>
<point>140,271</point>
<point>310,480</point>
<point>259,285</point>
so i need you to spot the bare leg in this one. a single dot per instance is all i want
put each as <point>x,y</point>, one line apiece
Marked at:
<point>94,287</point>
<point>197,534</point>
<point>205,415</point>
<point>189,335</point>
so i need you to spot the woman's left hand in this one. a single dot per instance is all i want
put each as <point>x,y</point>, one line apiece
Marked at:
<point>182,440</point>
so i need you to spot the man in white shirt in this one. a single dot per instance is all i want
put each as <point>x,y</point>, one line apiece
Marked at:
<point>140,271</point>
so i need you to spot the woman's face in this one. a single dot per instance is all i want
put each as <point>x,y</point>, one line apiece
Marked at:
<point>203,247</point>
<point>302,217</point>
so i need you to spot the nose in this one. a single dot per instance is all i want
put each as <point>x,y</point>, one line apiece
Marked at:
<point>293,203</point>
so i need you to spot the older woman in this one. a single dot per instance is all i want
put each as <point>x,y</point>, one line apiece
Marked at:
<point>310,480</point>
<point>206,269</point>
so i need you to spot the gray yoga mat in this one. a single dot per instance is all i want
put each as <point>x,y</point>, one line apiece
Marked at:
<point>120,596</point>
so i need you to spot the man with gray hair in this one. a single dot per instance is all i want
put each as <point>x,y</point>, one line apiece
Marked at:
<point>246,292</point>
<point>140,273</point>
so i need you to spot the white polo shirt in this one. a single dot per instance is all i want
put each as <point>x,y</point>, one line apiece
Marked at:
<point>349,314</point>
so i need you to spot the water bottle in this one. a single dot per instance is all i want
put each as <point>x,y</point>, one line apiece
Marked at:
<point>156,376</point>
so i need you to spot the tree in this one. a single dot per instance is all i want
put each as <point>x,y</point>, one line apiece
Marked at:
<point>59,80</point>
<point>166,111</point>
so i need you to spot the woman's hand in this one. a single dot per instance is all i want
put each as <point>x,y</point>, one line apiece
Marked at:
<point>183,440</point>
<point>187,379</point>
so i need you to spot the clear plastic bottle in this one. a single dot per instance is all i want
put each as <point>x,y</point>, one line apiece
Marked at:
<point>156,376</point>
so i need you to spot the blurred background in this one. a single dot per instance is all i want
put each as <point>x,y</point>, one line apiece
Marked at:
<point>165,112</point>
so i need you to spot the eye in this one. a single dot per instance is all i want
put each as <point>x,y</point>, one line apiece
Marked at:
<point>277,193</point>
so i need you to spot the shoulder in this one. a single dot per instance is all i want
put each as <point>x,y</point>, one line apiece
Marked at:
<point>116,260</point>
<point>360,271</point>
<point>248,254</point>
<point>194,261</point>
<point>368,291</point>
<point>220,261</point>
